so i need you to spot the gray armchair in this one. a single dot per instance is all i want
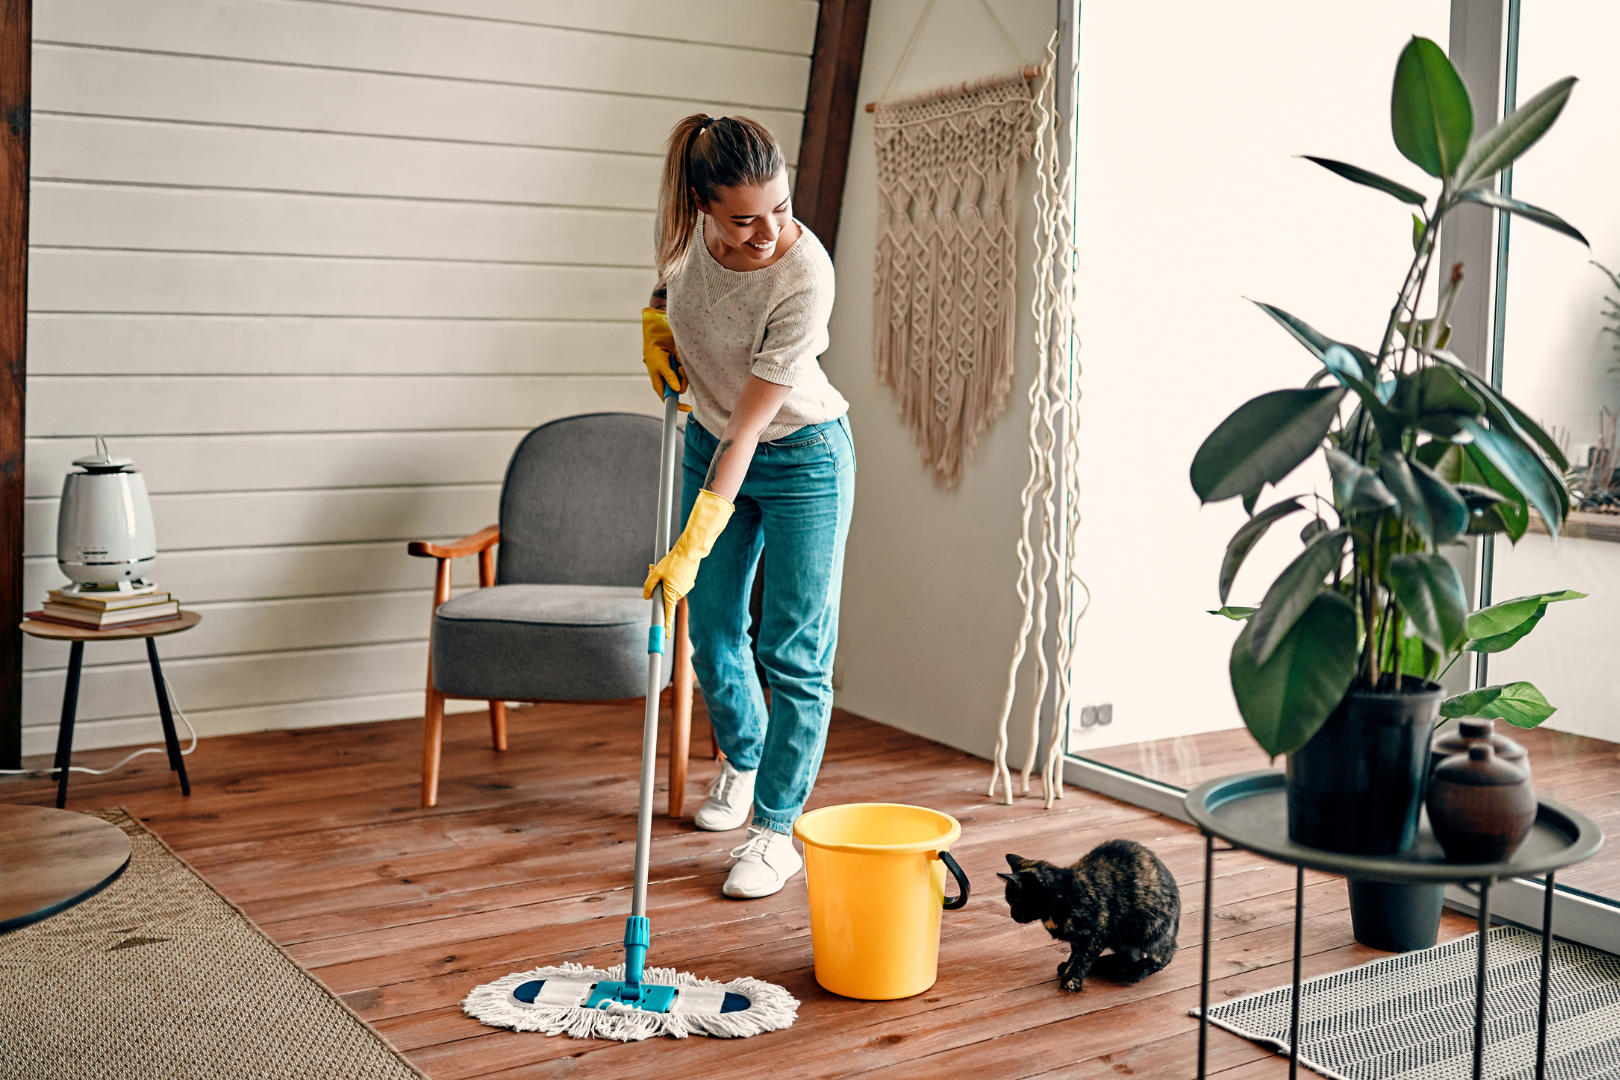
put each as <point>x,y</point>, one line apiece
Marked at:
<point>559,617</point>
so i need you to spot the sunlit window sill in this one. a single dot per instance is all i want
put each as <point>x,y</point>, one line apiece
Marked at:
<point>1582,525</point>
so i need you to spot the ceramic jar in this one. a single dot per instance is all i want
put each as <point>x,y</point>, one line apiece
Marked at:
<point>1481,806</point>
<point>1471,731</point>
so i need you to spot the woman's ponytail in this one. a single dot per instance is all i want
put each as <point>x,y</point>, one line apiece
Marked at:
<point>704,155</point>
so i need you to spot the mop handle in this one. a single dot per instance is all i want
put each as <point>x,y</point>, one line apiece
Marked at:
<point>655,654</point>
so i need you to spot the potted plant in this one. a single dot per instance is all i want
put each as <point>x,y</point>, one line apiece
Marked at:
<point>1338,666</point>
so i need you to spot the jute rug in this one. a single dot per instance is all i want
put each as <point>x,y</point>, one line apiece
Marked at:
<point>1412,1015</point>
<point>160,977</point>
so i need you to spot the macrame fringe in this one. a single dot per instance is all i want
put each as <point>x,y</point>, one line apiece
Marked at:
<point>1054,437</point>
<point>770,1008</point>
<point>945,282</point>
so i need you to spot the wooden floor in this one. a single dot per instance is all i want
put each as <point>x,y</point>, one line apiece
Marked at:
<point>318,835</point>
<point>1581,772</point>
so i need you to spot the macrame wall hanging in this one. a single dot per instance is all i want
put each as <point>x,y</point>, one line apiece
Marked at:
<point>1051,495</point>
<point>943,315</point>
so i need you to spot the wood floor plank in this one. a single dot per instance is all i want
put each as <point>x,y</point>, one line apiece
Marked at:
<point>401,909</point>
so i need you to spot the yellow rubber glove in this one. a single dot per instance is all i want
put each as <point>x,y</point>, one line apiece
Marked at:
<point>658,353</point>
<point>678,570</point>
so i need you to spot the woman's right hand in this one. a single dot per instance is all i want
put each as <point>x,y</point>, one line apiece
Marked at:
<point>658,352</point>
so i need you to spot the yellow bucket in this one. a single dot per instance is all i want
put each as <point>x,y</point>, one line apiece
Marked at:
<point>877,885</point>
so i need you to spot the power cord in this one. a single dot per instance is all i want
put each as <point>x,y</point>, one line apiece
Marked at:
<point>173,704</point>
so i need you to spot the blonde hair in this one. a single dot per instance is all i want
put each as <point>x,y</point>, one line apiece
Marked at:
<point>704,155</point>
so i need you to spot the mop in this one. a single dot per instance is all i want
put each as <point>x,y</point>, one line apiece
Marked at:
<point>631,1001</point>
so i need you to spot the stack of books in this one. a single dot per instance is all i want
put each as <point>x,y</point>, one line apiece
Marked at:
<point>109,609</point>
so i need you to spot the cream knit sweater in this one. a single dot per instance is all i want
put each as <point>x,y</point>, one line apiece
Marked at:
<point>771,323</point>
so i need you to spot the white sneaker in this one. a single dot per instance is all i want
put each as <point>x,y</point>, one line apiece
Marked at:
<point>730,802</point>
<point>764,864</point>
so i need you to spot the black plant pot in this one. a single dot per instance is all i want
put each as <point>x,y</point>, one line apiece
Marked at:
<point>1358,785</point>
<point>1396,918</point>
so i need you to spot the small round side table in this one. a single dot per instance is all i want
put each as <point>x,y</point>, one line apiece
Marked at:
<point>1250,811</point>
<point>56,859</point>
<point>70,694</point>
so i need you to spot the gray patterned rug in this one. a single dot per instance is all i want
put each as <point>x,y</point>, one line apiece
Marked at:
<point>160,977</point>
<point>1411,1016</point>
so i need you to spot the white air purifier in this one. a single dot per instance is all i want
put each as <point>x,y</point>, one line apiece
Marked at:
<point>104,536</point>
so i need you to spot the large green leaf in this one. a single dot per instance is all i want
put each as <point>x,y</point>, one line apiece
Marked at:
<point>1500,626</point>
<point>1304,333</point>
<point>1430,594</point>
<point>1429,110</point>
<point>1397,474</point>
<point>1522,469</point>
<point>1511,515</point>
<point>1448,510</point>
<point>1503,412</point>
<point>1434,392</point>
<point>1519,703</point>
<point>1497,148</point>
<point>1513,206</point>
<point>1418,659</point>
<point>1263,441</point>
<point>1293,592</point>
<point>1478,496</point>
<point>1356,488</point>
<point>1357,174</point>
<point>1285,700</point>
<point>1441,456</point>
<point>1249,535</point>
<point>1347,366</point>
<point>1512,422</point>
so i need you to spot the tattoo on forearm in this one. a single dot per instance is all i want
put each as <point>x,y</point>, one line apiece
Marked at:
<point>661,294</point>
<point>714,465</point>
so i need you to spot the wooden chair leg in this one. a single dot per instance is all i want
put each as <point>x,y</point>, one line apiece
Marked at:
<point>680,730</point>
<point>432,739</point>
<point>433,711</point>
<point>497,724</point>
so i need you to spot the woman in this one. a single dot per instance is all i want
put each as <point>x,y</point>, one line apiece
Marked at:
<point>742,304</point>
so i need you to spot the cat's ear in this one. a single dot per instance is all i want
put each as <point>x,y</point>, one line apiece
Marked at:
<point>1016,862</point>
<point>1011,879</point>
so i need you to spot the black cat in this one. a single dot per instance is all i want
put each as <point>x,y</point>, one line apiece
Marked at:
<point>1119,897</point>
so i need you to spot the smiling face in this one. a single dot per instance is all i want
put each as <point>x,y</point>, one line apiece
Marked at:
<point>752,226</point>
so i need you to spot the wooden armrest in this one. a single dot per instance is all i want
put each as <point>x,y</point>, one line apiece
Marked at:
<point>479,541</point>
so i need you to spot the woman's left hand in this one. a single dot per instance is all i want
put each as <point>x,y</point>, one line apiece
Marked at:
<point>678,569</point>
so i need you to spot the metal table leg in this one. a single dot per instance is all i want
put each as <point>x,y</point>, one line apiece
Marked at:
<point>64,733</point>
<point>1299,938</point>
<point>177,761</point>
<point>1203,980</point>
<point>1546,977</point>
<point>1479,978</point>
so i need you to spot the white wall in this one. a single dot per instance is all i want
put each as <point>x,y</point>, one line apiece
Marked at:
<point>1554,362</point>
<point>929,612</point>
<point>316,267</point>
<point>1193,198</point>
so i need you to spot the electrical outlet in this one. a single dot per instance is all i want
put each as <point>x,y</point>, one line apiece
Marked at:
<point>1089,716</point>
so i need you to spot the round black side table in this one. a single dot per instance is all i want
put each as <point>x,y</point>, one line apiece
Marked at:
<point>185,620</point>
<point>1250,811</point>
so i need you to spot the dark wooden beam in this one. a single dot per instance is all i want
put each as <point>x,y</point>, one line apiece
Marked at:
<point>16,44</point>
<point>829,115</point>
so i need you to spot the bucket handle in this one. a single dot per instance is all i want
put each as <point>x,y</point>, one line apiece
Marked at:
<point>952,903</point>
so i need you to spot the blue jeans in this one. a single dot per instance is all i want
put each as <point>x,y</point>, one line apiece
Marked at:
<point>795,504</point>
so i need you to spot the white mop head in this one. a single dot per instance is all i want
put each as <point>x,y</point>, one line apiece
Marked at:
<point>557,1010</point>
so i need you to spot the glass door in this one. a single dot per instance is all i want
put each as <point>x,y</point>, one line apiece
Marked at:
<point>1558,357</point>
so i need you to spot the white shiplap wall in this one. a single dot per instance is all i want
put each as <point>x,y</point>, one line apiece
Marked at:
<point>317,267</point>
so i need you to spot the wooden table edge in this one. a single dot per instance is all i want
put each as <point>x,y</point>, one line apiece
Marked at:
<point>53,631</point>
